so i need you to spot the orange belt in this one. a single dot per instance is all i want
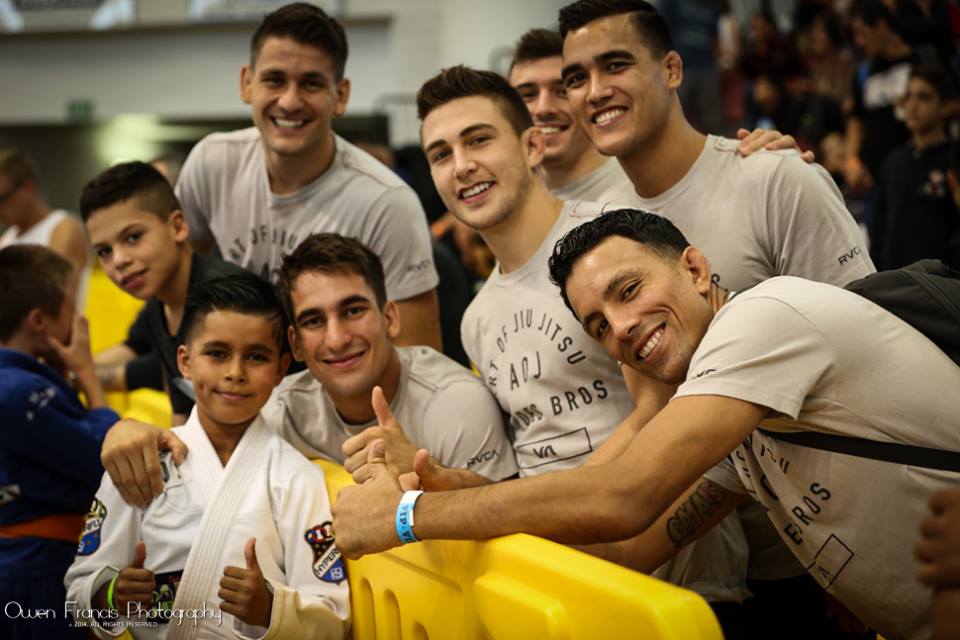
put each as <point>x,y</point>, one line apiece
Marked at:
<point>59,526</point>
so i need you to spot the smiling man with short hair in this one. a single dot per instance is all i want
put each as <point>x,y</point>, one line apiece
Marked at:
<point>788,356</point>
<point>256,193</point>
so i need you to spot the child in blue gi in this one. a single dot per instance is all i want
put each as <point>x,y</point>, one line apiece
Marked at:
<point>50,443</point>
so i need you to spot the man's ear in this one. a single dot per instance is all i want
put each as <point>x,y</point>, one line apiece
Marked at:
<point>35,322</point>
<point>246,84</point>
<point>391,312</point>
<point>693,262</point>
<point>183,361</point>
<point>181,228</point>
<point>294,344</point>
<point>534,145</point>
<point>343,96</point>
<point>672,65</point>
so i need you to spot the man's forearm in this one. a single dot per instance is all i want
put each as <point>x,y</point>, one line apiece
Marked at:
<point>113,377</point>
<point>650,397</point>
<point>579,506</point>
<point>689,518</point>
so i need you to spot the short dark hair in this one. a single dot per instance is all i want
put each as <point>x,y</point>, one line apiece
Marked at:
<point>306,24</point>
<point>463,82</point>
<point>16,166</point>
<point>31,277</point>
<point>537,44</point>
<point>245,293</point>
<point>123,181</point>
<point>653,231</point>
<point>331,253</point>
<point>651,26</point>
<point>937,77</point>
<point>872,11</point>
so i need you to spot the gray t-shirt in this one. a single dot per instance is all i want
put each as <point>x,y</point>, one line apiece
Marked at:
<point>441,406</point>
<point>225,193</point>
<point>767,215</point>
<point>754,218</point>
<point>607,185</point>
<point>826,360</point>
<point>565,395</point>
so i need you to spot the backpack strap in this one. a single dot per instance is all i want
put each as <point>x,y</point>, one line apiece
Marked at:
<point>910,455</point>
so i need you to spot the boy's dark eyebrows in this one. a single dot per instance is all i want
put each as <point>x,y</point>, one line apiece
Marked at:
<point>524,86</point>
<point>133,226</point>
<point>221,344</point>
<point>215,344</point>
<point>262,347</point>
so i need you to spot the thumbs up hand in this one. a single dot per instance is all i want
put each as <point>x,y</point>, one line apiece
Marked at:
<point>134,584</point>
<point>244,593</point>
<point>399,450</point>
<point>364,515</point>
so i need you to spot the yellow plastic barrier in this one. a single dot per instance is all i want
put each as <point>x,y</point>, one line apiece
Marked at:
<point>111,311</point>
<point>517,587</point>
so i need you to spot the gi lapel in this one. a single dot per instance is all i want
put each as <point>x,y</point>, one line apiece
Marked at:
<point>203,567</point>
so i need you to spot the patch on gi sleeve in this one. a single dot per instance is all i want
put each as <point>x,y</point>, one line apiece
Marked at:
<point>327,562</point>
<point>92,523</point>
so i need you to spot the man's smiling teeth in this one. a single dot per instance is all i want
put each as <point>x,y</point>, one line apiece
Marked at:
<point>289,124</point>
<point>480,187</point>
<point>548,129</point>
<point>607,116</point>
<point>651,343</point>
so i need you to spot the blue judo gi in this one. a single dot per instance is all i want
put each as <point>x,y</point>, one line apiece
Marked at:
<point>49,465</point>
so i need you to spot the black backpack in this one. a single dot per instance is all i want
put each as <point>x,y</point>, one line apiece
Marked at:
<point>925,295</point>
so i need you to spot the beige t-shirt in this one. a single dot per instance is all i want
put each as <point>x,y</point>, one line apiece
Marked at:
<point>565,395</point>
<point>607,185</point>
<point>754,218</point>
<point>827,360</point>
<point>441,406</point>
<point>225,194</point>
<point>766,215</point>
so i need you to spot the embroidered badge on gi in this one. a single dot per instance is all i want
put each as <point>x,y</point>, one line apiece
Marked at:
<point>327,563</point>
<point>90,536</point>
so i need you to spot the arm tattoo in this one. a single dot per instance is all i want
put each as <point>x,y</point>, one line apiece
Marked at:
<point>703,503</point>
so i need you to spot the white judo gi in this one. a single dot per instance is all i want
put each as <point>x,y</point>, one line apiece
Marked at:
<point>200,524</point>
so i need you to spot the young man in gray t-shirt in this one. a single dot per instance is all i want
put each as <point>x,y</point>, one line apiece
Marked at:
<point>341,326</point>
<point>256,193</point>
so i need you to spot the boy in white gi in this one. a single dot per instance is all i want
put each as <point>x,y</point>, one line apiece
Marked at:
<point>239,544</point>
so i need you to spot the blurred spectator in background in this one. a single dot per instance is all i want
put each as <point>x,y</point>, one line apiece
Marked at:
<point>30,221</point>
<point>768,51</point>
<point>807,116</point>
<point>873,128</point>
<point>728,65</point>
<point>832,68</point>
<point>925,26</point>
<point>915,215</point>
<point>693,25</point>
